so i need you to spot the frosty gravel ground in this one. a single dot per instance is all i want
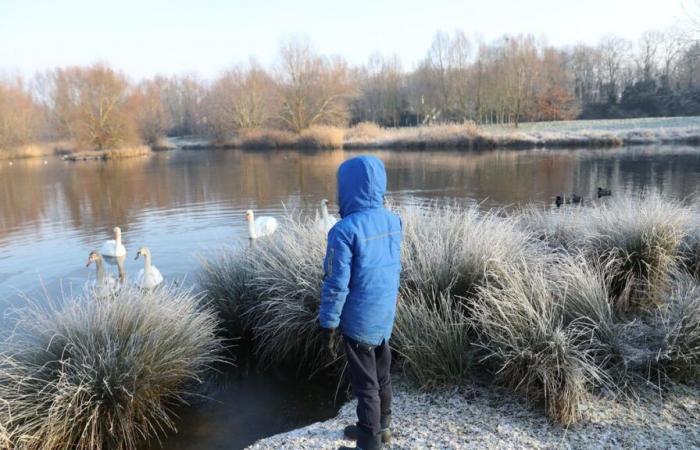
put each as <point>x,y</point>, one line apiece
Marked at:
<point>478,418</point>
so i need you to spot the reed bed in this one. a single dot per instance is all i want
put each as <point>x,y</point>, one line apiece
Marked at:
<point>116,153</point>
<point>25,151</point>
<point>553,303</point>
<point>83,373</point>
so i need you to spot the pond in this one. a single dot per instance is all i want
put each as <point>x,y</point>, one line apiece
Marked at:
<point>185,205</point>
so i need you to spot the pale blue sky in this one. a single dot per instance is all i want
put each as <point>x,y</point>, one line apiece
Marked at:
<point>204,37</point>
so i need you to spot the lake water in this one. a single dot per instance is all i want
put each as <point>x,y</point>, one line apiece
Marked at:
<point>184,205</point>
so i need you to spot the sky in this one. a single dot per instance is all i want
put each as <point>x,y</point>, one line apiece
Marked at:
<point>148,37</point>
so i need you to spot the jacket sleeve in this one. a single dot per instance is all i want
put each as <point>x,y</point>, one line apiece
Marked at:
<point>336,279</point>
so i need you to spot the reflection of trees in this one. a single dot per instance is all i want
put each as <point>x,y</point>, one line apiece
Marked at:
<point>94,196</point>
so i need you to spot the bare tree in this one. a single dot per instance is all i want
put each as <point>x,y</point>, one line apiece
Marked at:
<point>152,114</point>
<point>313,89</point>
<point>92,106</point>
<point>18,115</point>
<point>242,98</point>
<point>613,51</point>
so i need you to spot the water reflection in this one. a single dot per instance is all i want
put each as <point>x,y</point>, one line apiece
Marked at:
<point>180,203</point>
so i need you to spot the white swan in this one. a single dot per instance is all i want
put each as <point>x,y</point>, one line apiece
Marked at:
<point>260,227</point>
<point>326,222</point>
<point>104,284</point>
<point>114,247</point>
<point>148,277</point>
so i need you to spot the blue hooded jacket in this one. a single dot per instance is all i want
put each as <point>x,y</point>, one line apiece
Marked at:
<point>363,259</point>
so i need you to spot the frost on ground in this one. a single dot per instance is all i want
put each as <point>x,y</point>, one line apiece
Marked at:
<point>479,418</point>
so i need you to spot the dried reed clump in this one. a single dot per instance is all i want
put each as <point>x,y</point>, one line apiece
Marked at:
<point>560,229</point>
<point>116,153</point>
<point>265,139</point>
<point>364,131</point>
<point>86,374</point>
<point>24,151</point>
<point>321,137</point>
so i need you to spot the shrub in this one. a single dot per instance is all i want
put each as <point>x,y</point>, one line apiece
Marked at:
<point>321,137</point>
<point>637,240</point>
<point>433,339</point>
<point>90,374</point>
<point>524,335</point>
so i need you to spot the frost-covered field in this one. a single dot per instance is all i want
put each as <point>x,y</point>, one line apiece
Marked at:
<point>605,124</point>
<point>479,418</point>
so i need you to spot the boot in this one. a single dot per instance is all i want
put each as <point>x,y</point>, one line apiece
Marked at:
<point>365,441</point>
<point>350,431</point>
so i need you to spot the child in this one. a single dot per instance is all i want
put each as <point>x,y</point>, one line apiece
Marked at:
<point>361,282</point>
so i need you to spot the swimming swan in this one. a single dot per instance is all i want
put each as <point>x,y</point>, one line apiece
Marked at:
<point>148,277</point>
<point>104,284</point>
<point>114,247</point>
<point>260,227</point>
<point>326,222</point>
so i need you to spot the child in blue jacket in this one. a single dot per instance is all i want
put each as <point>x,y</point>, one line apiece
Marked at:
<point>360,288</point>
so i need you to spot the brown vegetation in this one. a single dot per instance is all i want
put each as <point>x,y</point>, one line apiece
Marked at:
<point>19,117</point>
<point>114,153</point>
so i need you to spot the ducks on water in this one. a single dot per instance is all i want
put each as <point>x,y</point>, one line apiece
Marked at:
<point>602,192</point>
<point>261,226</point>
<point>564,200</point>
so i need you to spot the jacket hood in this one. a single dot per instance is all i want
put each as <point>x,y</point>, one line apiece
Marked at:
<point>361,184</point>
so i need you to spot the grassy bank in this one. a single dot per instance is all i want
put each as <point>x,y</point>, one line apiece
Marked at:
<point>553,304</point>
<point>469,136</point>
<point>85,373</point>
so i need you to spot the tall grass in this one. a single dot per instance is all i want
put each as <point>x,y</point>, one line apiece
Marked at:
<point>87,374</point>
<point>679,322</point>
<point>524,334</point>
<point>287,274</point>
<point>25,151</point>
<point>321,137</point>
<point>433,339</point>
<point>556,303</point>
<point>453,250</point>
<point>637,240</point>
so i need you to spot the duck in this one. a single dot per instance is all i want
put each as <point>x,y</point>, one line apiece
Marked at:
<point>149,277</point>
<point>564,200</point>
<point>261,226</point>
<point>602,192</point>
<point>326,222</point>
<point>114,247</point>
<point>104,284</point>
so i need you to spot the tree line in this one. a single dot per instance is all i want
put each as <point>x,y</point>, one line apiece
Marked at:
<point>507,81</point>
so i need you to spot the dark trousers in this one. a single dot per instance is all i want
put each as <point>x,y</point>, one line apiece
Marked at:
<point>369,367</point>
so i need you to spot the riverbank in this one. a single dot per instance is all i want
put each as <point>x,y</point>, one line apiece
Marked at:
<point>469,136</point>
<point>477,417</point>
<point>553,304</point>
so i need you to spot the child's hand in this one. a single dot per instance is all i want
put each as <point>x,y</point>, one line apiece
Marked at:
<point>327,342</point>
